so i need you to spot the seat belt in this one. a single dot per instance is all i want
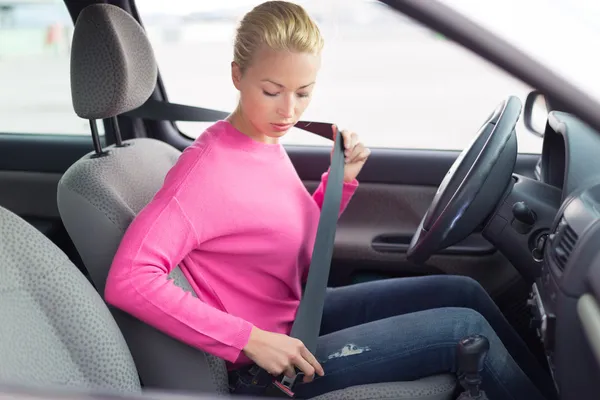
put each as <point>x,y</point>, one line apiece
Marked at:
<point>307,324</point>
<point>158,110</point>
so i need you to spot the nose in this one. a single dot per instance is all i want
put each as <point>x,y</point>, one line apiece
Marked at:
<point>286,108</point>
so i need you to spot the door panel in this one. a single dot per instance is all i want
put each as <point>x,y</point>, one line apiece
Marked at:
<point>396,188</point>
<point>30,168</point>
<point>394,166</point>
<point>30,194</point>
<point>379,209</point>
<point>43,153</point>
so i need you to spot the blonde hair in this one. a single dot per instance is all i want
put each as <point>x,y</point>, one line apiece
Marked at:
<point>280,25</point>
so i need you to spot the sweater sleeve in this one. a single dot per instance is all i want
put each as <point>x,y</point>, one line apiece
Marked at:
<point>156,241</point>
<point>347,192</point>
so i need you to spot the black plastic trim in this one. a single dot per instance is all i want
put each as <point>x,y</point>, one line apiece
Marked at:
<point>395,166</point>
<point>473,245</point>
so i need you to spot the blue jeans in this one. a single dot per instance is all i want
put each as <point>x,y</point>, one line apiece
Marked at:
<point>408,328</point>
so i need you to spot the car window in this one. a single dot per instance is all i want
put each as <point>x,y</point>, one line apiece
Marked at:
<point>35,94</point>
<point>396,83</point>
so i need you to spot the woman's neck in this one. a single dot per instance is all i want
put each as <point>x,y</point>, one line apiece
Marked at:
<point>242,124</point>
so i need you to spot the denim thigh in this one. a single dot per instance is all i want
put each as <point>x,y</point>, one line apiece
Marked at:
<point>413,346</point>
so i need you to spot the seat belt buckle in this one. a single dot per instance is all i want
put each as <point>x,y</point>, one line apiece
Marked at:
<point>284,385</point>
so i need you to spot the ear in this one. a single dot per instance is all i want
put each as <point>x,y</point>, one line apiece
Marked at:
<point>236,75</point>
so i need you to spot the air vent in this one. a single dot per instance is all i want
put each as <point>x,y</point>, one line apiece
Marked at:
<point>565,240</point>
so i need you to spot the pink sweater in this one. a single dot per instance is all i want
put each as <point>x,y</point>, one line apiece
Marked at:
<point>237,219</point>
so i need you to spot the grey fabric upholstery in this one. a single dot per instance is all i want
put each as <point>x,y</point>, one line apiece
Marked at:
<point>56,329</point>
<point>99,196</point>
<point>113,69</point>
<point>111,189</point>
<point>433,388</point>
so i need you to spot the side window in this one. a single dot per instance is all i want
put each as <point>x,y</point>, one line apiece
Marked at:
<point>396,83</point>
<point>35,95</point>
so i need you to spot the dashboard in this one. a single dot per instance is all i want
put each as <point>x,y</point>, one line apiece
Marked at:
<point>564,300</point>
<point>570,153</point>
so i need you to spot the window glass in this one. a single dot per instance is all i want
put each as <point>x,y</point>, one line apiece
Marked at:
<point>35,94</point>
<point>396,83</point>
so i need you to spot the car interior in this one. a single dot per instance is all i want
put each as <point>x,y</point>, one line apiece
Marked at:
<point>525,226</point>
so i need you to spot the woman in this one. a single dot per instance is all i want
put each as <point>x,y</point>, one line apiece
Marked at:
<point>234,215</point>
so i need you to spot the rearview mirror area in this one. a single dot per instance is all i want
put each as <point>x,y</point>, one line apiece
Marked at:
<point>535,113</point>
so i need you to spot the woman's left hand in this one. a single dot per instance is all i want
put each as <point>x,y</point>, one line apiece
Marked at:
<point>355,153</point>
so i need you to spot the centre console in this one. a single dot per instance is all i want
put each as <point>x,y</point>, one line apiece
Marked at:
<point>568,251</point>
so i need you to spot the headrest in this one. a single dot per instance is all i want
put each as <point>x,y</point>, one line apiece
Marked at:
<point>113,69</point>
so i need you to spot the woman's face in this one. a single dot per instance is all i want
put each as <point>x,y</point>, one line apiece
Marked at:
<point>274,91</point>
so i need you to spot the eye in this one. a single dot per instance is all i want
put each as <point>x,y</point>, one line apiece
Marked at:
<point>303,95</point>
<point>269,94</point>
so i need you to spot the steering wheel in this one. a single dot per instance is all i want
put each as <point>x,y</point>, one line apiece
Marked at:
<point>473,185</point>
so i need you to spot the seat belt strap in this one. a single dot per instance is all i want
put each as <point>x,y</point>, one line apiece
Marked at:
<point>307,324</point>
<point>158,110</point>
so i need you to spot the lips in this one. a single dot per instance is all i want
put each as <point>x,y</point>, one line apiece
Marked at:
<point>281,127</point>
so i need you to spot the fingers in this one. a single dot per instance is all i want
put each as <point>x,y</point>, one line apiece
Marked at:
<point>304,366</point>
<point>310,358</point>
<point>280,354</point>
<point>307,363</point>
<point>350,138</point>
<point>290,371</point>
<point>303,360</point>
<point>354,150</point>
<point>358,154</point>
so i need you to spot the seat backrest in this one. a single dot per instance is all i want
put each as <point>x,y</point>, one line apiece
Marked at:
<point>56,330</point>
<point>113,71</point>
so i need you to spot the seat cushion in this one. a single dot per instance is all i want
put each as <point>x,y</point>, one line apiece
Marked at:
<point>439,387</point>
<point>98,197</point>
<point>55,330</point>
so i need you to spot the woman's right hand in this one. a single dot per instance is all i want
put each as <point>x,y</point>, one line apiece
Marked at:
<point>277,354</point>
